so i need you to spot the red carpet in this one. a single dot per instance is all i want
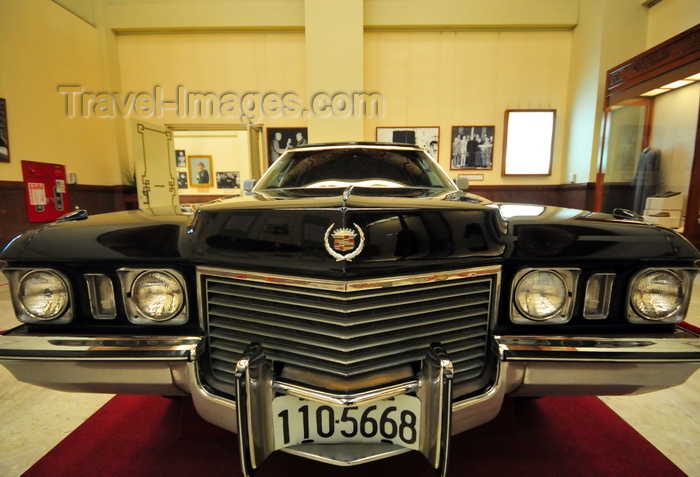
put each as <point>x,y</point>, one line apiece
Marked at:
<point>553,436</point>
<point>690,327</point>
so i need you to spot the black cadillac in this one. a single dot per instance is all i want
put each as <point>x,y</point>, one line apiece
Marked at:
<point>354,305</point>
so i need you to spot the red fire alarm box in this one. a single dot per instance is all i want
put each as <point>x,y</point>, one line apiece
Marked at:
<point>45,191</point>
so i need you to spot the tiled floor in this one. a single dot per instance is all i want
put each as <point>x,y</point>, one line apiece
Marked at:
<point>33,420</point>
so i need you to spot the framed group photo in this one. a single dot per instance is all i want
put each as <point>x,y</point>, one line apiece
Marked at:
<point>228,180</point>
<point>472,147</point>
<point>281,139</point>
<point>426,137</point>
<point>200,171</point>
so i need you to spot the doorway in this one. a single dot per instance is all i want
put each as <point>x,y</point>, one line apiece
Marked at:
<point>650,155</point>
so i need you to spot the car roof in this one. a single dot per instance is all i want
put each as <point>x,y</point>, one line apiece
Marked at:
<point>360,144</point>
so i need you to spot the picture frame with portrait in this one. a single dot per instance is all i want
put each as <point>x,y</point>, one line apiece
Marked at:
<point>200,171</point>
<point>472,147</point>
<point>281,139</point>
<point>180,158</point>
<point>182,180</point>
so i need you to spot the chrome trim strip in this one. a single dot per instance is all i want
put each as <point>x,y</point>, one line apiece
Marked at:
<point>344,454</point>
<point>211,407</point>
<point>15,347</point>
<point>256,434</point>
<point>345,399</point>
<point>681,346</point>
<point>472,412</point>
<point>435,393</point>
<point>346,286</point>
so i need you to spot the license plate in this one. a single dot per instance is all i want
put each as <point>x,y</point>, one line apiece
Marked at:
<point>395,420</point>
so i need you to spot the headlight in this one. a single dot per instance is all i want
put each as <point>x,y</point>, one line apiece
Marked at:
<point>543,295</point>
<point>43,295</point>
<point>157,295</point>
<point>154,296</point>
<point>659,296</point>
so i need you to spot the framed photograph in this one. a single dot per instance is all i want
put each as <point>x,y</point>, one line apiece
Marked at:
<point>472,147</point>
<point>4,137</point>
<point>180,158</point>
<point>426,137</point>
<point>529,142</point>
<point>281,139</point>
<point>200,171</point>
<point>182,180</point>
<point>228,180</point>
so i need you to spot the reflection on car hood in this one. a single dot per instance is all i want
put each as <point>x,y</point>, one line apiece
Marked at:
<point>329,230</point>
<point>372,230</point>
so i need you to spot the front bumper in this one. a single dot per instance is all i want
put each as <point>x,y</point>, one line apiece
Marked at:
<point>528,366</point>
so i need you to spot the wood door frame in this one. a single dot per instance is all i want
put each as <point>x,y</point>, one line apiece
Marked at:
<point>674,59</point>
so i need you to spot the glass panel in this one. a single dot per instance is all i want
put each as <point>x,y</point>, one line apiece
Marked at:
<point>624,137</point>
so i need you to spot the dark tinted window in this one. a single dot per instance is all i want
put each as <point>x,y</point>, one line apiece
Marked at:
<point>363,166</point>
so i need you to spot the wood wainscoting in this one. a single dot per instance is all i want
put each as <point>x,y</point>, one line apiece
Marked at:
<point>94,199</point>
<point>575,196</point>
<point>101,199</point>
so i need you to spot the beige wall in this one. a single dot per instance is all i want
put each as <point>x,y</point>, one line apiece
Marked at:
<point>44,46</point>
<point>440,63</point>
<point>448,79</point>
<point>609,32</point>
<point>267,15</point>
<point>425,78</point>
<point>671,17</point>
<point>216,63</point>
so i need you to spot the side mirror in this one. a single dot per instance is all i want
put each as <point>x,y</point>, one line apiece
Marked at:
<point>248,184</point>
<point>627,214</point>
<point>77,214</point>
<point>461,182</point>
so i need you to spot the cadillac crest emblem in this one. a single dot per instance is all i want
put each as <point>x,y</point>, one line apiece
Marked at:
<point>344,240</point>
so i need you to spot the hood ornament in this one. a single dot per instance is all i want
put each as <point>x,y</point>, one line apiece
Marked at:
<point>344,240</point>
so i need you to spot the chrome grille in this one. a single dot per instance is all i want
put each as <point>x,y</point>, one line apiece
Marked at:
<point>348,328</point>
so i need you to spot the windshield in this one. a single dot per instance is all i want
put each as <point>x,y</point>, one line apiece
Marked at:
<point>362,167</point>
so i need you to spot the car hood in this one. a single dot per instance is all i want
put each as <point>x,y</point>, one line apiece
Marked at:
<point>339,232</point>
<point>349,231</point>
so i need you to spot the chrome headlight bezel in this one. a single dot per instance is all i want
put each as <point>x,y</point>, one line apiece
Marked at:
<point>64,310</point>
<point>640,308</point>
<point>130,278</point>
<point>598,295</point>
<point>103,305</point>
<point>561,304</point>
